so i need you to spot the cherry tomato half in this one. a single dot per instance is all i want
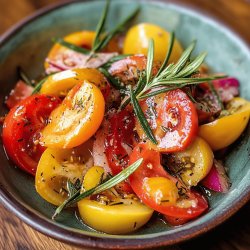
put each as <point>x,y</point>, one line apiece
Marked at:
<point>137,40</point>
<point>192,164</point>
<point>227,129</point>
<point>107,211</point>
<point>21,130</point>
<point>56,167</point>
<point>76,119</point>
<point>173,119</point>
<point>161,191</point>
<point>61,83</point>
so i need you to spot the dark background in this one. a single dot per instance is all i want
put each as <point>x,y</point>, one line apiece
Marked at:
<point>232,235</point>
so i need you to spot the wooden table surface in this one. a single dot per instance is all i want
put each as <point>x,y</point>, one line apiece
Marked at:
<point>233,234</point>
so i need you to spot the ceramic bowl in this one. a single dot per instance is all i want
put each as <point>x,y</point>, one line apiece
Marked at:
<point>28,43</point>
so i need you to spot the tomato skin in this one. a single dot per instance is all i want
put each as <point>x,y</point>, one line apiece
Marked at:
<point>173,119</point>
<point>193,205</point>
<point>120,133</point>
<point>21,130</point>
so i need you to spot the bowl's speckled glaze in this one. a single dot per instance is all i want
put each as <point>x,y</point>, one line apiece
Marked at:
<point>28,43</point>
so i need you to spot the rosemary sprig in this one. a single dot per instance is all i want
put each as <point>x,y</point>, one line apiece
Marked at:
<point>100,25</point>
<point>123,175</point>
<point>171,77</point>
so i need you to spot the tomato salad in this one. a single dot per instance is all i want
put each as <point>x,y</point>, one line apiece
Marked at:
<point>125,125</point>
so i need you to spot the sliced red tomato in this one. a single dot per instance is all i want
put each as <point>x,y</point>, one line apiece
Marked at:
<point>19,93</point>
<point>161,191</point>
<point>21,130</point>
<point>119,140</point>
<point>173,119</point>
<point>118,143</point>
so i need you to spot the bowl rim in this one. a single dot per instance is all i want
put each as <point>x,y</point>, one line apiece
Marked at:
<point>66,235</point>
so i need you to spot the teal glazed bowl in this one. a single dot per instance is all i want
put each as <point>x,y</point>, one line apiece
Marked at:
<point>27,44</point>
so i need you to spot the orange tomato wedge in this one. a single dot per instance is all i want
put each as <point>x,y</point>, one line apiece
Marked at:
<point>76,119</point>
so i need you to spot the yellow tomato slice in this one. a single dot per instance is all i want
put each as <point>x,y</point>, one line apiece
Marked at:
<point>76,119</point>
<point>56,167</point>
<point>111,215</point>
<point>120,217</point>
<point>194,163</point>
<point>225,130</point>
<point>137,41</point>
<point>60,83</point>
<point>81,38</point>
